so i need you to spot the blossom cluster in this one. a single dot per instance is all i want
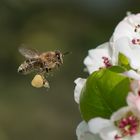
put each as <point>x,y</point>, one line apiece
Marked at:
<point>109,98</point>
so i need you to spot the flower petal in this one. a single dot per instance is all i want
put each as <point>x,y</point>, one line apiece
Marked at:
<point>134,103</point>
<point>94,61</point>
<point>136,137</point>
<point>97,124</point>
<point>126,27</point>
<point>132,74</point>
<point>126,39</point>
<point>131,51</point>
<point>109,133</point>
<point>83,133</point>
<point>120,113</point>
<point>79,85</point>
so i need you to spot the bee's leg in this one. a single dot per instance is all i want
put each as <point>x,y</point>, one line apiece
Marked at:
<point>46,83</point>
<point>40,71</point>
<point>29,61</point>
<point>57,65</point>
<point>48,70</point>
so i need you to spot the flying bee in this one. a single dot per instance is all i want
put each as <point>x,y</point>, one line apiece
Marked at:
<point>41,63</point>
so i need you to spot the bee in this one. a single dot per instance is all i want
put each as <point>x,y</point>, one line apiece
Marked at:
<point>41,63</point>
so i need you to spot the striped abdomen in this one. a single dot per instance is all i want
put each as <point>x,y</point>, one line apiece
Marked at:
<point>29,66</point>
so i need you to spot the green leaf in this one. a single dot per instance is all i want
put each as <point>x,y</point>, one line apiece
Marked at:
<point>104,92</point>
<point>123,61</point>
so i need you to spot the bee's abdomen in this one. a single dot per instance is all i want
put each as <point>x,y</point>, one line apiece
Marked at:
<point>26,67</point>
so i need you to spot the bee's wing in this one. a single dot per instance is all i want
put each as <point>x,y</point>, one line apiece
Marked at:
<point>28,53</point>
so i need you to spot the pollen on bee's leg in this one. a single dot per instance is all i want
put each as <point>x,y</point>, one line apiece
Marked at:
<point>37,81</point>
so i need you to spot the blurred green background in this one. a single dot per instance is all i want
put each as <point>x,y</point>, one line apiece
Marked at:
<point>27,113</point>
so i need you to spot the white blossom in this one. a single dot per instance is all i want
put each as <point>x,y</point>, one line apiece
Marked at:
<point>126,39</point>
<point>99,57</point>
<point>117,128</point>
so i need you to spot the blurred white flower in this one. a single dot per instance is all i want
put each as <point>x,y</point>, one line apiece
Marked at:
<point>83,132</point>
<point>126,39</point>
<point>77,91</point>
<point>99,57</point>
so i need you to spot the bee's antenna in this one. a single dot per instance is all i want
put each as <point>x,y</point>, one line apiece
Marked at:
<point>65,53</point>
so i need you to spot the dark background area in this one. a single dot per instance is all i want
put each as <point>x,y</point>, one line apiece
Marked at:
<point>27,113</point>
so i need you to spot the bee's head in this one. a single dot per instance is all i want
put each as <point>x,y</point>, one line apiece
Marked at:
<point>59,56</point>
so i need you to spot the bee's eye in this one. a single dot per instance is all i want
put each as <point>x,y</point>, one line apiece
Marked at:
<point>57,55</point>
